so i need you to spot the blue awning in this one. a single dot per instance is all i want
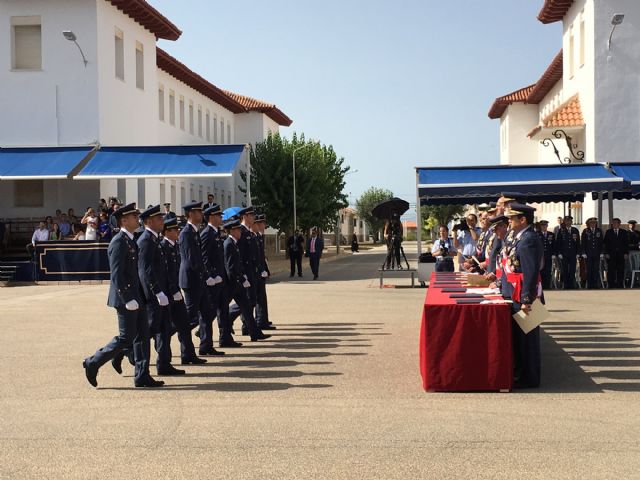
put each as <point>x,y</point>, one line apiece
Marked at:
<point>163,161</point>
<point>539,183</point>
<point>631,173</point>
<point>40,163</point>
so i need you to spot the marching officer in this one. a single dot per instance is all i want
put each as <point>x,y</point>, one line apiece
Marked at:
<point>193,278</point>
<point>213,256</point>
<point>262,311</point>
<point>548,240</point>
<point>154,277</point>
<point>125,295</point>
<point>567,249</point>
<point>616,247</point>
<point>179,315</point>
<point>239,284</point>
<point>592,243</point>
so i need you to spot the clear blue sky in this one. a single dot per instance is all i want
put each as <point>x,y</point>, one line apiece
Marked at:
<point>390,84</point>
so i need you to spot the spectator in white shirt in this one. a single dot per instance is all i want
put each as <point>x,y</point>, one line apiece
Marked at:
<point>41,234</point>
<point>444,251</point>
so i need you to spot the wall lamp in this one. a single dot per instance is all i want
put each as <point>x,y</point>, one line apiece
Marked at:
<point>616,20</point>
<point>69,35</point>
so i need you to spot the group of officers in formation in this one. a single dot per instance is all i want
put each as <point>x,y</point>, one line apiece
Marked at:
<point>166,280</point>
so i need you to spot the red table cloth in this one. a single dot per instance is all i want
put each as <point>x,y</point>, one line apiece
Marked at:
<point>464,347</point>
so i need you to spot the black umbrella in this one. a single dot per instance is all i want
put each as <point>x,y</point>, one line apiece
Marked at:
<point>386,209</point>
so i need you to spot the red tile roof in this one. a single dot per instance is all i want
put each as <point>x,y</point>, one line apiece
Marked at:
<point>254,105</point>
<point>554,10</point>
<point>533,94</point>
<point>181,72</point>
<point>569,114</point>
<point>148,17</point>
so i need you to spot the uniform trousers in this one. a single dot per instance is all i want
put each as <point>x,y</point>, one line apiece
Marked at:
<point>569,271</point>
<point>133,332</point>
<point>250,294</point>
<point>160,330</point>
<point>224,324</point>
<point>593,271</point>
<point>180,324</point>
<point>295,258</point>
<point>545,273</point>
<point>200,313</point>
<point>526,354</point>
<point>615,272</point>
<point>262,311</point>
<point>242,306</point>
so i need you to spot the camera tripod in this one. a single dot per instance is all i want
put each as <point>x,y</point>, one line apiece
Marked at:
<point>393,257</point>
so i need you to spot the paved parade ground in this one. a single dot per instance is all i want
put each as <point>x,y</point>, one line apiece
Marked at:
<point>335,393</point>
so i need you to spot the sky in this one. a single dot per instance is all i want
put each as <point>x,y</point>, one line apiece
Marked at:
<point>392,85</point>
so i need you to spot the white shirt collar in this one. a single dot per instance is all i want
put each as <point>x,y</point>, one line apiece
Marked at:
<point>215,229</point>
<point>129,234</point>
<point>233,238</point>
<point>171,242</point>
<point>194,227</point>
<point>519,234</point>
<point>155,234</point>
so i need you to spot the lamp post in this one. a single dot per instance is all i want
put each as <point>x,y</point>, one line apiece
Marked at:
<point>295,211</point>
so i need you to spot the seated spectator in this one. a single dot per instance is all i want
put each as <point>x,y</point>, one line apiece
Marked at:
<point>58,215</point>
<point>65,226</point>
<point>78,231</point>
<point>54,234</point>
<point>104,228</point>
<point>49,222</point>
<point>41,234</point>
<point>72,216</point>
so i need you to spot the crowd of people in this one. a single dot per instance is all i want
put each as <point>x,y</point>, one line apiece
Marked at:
<point>168,280</point>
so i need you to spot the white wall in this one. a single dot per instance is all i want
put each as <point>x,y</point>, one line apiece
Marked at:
<point>519,119</point>
<point>58,104</point>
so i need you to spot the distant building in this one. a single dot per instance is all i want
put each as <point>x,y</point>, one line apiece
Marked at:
<point>350,223</point>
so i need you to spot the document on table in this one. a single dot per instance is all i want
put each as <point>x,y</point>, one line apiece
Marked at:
<point>477,280</point>
<point>484,291</point>
<point>536,316</point>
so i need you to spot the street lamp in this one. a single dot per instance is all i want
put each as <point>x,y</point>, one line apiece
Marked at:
<point>69,35</point>
<point>295,211</point>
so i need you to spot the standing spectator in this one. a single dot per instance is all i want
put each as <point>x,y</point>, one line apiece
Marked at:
<point>113,220</point>
<point>616,247</point>
<point>295,249</point>
<point>65,226</point>
<point>634,236</point>
<point>444,251</point>
<point>104,228</point>
<point>315,245</point>
<point>465,239</point>
<point>102,205</point>
<point>49,222</point>
<point>91,221</point>
<point>558,226</point>
<point>354,243</point>
<point>567,249</point>
<point>210,202</point>
<point>41,234</point>
<point>591,242</point>
<point>54,234</point>
<point>168,214</point>
<point>72,216</point>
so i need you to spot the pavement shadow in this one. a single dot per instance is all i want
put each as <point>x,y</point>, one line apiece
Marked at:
<point>597,356</point>
<point>227,387</point>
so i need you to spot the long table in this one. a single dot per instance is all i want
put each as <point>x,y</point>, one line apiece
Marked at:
<point>464,347</point>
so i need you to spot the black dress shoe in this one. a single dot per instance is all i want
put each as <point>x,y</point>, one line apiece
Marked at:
<point>260,336</point>
<point>245,332</point>
<point>91,373</point>
<point>197,333</point>
<point>116,363</point>
<point>170,371</point>
<point>193,361</point>
<point>130,357</point>
<point>267,327</point>
<point>300,275</point>
<point>315,277</point>
<point>212,352</point>
<point>291,276</point>
<point>230,344</point>
<point>149,382</point>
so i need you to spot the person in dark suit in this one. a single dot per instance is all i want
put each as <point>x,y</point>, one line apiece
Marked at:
<point>616,248</point>
<point>262,309</point>
<point>523,273</point>
<point>114,221</point>
<point>168,214</point>
<point>213,257</point>
<point>179,315</point>
<point>592,243</point>
<point>568,248</point>
<point>153,271</point>
<point>210,202</point>
<point>548,240</point>
<point>126,296</point>
<point>239,285</point>
<point>193,278</point>
<point>315,245</point>
<point>634,236</point>
<point>295,250</point>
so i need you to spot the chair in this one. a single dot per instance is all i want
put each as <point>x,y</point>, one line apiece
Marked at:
<point>634,260</point>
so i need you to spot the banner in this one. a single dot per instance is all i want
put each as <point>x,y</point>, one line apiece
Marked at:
<point>71,260</point>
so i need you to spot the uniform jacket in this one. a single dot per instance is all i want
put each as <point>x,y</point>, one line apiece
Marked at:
<point>247,249</point>
<point>616,245</point>
<point>172,254</point>
<point>263,266</point>
<point>212,252</point>
<point>152,266</point>
<point>634,239</point>
<point>191,265</point>
<point>592,242</point>
<point>568,242</point>
<point>548,240</point>
<point>319,246</point>
<point>123,264</point>
<point>233,263</point>
<point>494,246</point>
<point>528,256</point>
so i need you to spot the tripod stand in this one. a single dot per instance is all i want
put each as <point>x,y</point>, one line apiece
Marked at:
<point>393,256</point>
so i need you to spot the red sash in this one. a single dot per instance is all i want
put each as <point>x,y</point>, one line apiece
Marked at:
<point>515,279</point>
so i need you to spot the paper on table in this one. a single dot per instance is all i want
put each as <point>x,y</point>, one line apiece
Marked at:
<point>477,280</point>
<point>537,315</point>
<point>500,301</point>
<point>484,291</point>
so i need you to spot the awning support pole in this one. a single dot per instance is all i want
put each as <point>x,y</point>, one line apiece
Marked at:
<point>600,209</point>
<point>610,206</point>
<point>418,217</point>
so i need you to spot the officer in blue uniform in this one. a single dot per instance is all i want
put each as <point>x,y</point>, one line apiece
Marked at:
<point>498,229</point>
<point>213,257</point>
<point>193,279</point>
<point>179,316</point>
<point>153,271</point>
<point>548,240</point>
<point>168,214</point>
<point>523,277</point>
<point>567,249</point>
<point>262,309</point>
<point>239,283</point>
<point>592,244</point>
<point>126,296</point>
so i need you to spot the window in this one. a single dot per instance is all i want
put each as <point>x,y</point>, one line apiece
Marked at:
<point>208,126</point>
<point>191,197</point>
<point>172,107</point>
<point>229,199</point>
<point>28,193</point>
<point>27,43</point>
<point>181,112</point>
<point>571,52</point>
<point>228,133</point>
<point>215,129</point>
<point>222,130</point>
<point>139,66</point>
<point>200,198</point>
<point>161,103</point>
<point>582,41</point>
<point>199,121</point>
<point>190,117</point>
<point>119,46</point>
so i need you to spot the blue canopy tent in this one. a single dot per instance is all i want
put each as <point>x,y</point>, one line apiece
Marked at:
<point>536,183</point>
<point>41,163</point>
<point>631,173</point>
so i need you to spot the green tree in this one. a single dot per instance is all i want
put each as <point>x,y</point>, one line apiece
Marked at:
<point>319,182</point>
<point>365,204</point>
<point>435,215</point>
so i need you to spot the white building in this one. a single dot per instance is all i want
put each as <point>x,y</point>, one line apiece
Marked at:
<point>129,93</point>
<point>350,223</point>
<point>589,92</point>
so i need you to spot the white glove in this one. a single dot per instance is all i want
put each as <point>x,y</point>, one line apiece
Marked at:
<point>602,255</point>
<point>553,257</point>
<point>131,305</point>
<point>210,282</point>
<point>177,296</point>
<point>560,256</point>
<point>584,255</point>
<point>217,279</point>
<point>246,284</point>
<point>264,274</point>
<point>163,300</point>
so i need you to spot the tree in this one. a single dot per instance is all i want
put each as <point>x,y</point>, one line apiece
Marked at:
<point>365,204</point>
<point>436,215</point>
<point>319,182</point>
